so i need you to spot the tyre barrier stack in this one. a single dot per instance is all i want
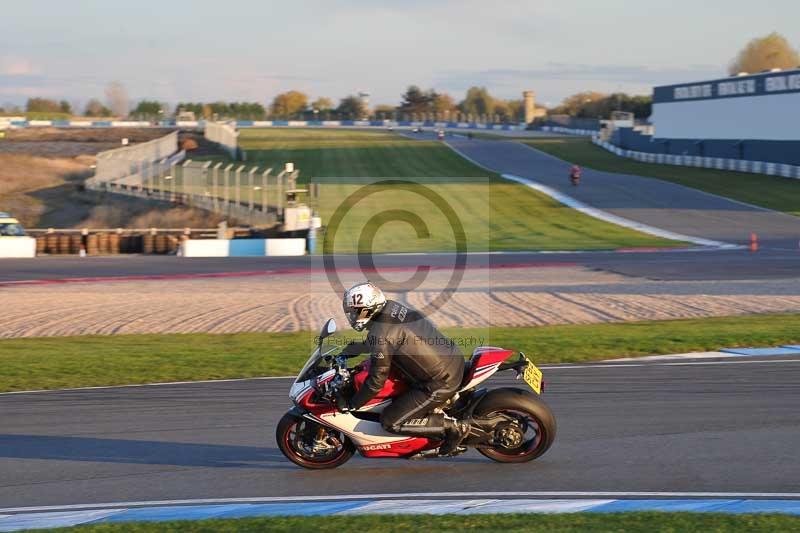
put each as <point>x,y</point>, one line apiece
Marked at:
<point>111,242</point>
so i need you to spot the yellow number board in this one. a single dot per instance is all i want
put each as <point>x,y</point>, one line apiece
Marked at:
<point>533,376</point>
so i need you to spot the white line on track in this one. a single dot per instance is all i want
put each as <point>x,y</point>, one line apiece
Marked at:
<point>340,497</point>
<point>599,213</point>
<point>543,367</point>
<point>135,385</point>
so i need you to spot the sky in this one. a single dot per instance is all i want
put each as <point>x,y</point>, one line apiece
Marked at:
<point>234,50</point>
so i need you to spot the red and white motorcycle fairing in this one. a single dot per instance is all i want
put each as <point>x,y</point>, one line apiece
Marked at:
<point>368,434</point>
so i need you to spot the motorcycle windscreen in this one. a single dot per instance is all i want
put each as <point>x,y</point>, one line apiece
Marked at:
<point>310,364</point>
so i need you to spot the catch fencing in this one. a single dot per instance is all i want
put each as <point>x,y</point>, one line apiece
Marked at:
<point>156,170</point>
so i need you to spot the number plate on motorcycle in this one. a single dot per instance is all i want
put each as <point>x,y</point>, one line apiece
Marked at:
<point>533,376</point>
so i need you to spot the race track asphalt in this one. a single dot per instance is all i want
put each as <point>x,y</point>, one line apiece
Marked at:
<point>677,265</point>
<point>721,426</point>
<point>654,202</point>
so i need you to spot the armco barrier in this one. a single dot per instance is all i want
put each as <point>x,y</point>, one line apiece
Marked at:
<point>737,165</point>
<point>242,247</point>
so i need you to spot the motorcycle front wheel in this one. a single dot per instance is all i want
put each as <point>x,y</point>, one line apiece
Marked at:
<point>312,445</point>
<point>529,432</point>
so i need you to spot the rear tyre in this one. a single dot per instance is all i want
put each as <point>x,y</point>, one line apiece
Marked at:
<point>530,431</point>
<point>312,445</point>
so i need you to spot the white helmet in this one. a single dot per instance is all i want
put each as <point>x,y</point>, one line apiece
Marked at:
<point>362,302</point>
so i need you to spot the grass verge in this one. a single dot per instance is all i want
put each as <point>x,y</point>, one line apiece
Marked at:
<point>772,192</point>
<point>497,215</point>
<point>579,522</point>
<point>82,361</point>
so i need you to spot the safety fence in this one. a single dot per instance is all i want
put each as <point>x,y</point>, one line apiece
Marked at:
<point>224,134</point>
<point>568,131</point>
<point>134,160</point>
<point>251,194</point>
<point>156,170</point>
<point>719,163</point>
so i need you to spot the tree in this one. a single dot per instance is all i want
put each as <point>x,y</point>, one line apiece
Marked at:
<point>42,105</point>
<point>247,110</point>
<point>516,110</point>
<point>220,109</point>
<point>578,103</point>
<point>65,107</point>
<point>478,101</point>
<point>443,103</point>
<point>147,110</point>
<point>117,99</point>
<point>765,53</point>
<point>322,104</point>
<point>598,105</point>
<point>96,109</point>
<point>289,104</point>
<point>350,107</point>
<point>383,111</point>
<point>415,100</point>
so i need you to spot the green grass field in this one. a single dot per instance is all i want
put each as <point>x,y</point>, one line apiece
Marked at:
<point>64,362</point>
<point>495,214</point>
<point>780,194</point>
<point>560,523</point>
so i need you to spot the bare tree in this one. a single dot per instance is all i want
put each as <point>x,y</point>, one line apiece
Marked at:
<point>117,99</point>
<point>765,53</point>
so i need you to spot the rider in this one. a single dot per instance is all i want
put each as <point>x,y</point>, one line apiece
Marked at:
<point>575,173</point>
<point>400,337</point>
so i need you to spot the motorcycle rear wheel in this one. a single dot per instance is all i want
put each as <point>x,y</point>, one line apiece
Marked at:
<point>530,415</point>
<point>291,435</point>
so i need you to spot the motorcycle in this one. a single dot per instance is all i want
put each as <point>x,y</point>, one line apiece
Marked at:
<point>508,425</point>
<point>575,176</point>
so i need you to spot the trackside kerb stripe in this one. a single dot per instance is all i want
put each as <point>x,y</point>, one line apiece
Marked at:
<point>401,495</point>
<point>33,520</point>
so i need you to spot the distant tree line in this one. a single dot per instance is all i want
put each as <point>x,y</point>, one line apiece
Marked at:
<point>598,105</point>
<point>772,51</point>
<point>223,110</point>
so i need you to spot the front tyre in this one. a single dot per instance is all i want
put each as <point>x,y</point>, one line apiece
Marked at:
<point>312,445</point>
<point>529,429</point>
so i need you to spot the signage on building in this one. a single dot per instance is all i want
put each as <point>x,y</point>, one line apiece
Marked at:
<point>755,85</point>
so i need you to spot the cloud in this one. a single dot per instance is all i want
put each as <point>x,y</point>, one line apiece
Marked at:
<point>17,66</point>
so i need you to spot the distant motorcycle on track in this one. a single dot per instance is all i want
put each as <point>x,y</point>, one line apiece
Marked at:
<point>508,425</point>
<point>575,175</point>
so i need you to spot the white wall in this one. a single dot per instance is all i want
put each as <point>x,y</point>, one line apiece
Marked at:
<point>17,247</point>
<point>242,247</point>
<point>769,117</point>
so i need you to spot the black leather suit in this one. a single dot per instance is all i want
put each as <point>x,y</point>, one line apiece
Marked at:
<point>400,337</point>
